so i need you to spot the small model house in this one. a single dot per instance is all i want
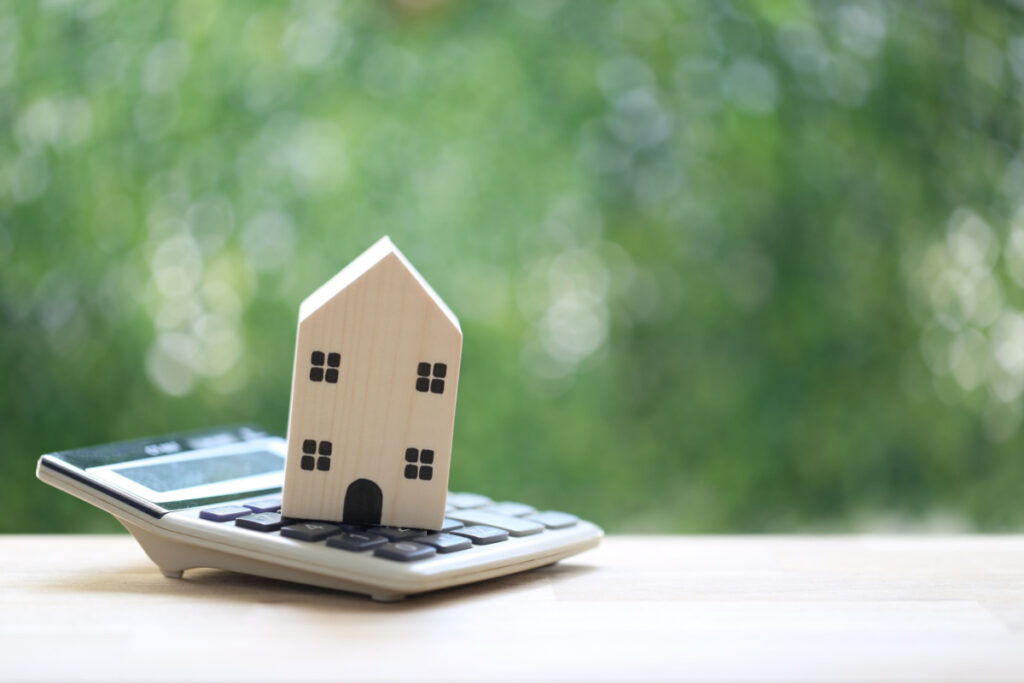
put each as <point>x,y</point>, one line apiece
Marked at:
<point>373,397</point>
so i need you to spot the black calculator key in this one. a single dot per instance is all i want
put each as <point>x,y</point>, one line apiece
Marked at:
<point>225,513</point>
<point>264,505</point>
<point>553,519</point>
<point>404,551</point>
<point>356,541</point>
<point>445,543</point>
<point>310,531</point>
<point>450,524</point>
<point>396,533</point>
<point>260,521</point>
<point>482,535</point>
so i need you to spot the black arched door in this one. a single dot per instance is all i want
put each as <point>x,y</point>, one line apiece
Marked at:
<point>363,501</point>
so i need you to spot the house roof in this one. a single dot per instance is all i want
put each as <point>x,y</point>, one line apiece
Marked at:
<point>363,263</point>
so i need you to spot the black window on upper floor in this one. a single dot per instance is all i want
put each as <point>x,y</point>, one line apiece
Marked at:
<point>317,372</point>
<point>419,464</point>
<point>431,378</point>
<point>310,449</point>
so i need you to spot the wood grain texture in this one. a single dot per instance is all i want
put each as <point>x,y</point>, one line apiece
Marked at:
<point>94,608</point>
<point>374,325</point>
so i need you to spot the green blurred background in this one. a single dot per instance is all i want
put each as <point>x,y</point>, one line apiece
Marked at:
<point>721,267</point>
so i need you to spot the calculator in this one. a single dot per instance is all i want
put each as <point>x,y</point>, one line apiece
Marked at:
<point>212,498</point>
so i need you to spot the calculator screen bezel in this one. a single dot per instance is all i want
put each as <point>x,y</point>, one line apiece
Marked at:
<point>76,463</point>
<point>238,486</point>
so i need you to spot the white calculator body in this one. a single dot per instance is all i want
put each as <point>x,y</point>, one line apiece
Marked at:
<point>212,498</point>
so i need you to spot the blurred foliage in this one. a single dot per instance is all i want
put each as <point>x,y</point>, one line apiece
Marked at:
<point>720,266</point>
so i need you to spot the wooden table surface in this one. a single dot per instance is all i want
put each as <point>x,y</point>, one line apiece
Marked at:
<point>767,608</point>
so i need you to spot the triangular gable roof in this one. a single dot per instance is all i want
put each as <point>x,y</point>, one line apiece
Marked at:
<point>359,267</point>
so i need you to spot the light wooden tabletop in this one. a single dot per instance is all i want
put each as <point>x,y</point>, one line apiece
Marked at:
<point>764,608</point>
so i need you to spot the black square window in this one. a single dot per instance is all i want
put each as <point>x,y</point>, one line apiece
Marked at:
<point>317,372</point>
<point>310,447</point>
<point>431,378</point>
<point>419,464</point>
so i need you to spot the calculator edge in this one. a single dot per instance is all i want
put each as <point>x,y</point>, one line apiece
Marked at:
<point>174,551</point>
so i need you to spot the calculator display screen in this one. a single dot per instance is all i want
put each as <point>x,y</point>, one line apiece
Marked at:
<point>170,476</point>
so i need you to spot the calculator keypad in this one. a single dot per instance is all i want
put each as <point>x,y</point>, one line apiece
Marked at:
<point>471,520</point>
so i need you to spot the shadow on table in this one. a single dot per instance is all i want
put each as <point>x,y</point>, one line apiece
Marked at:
<point>217,584</point>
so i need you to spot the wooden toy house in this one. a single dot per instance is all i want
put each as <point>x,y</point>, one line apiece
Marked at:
<point>373,397</point>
